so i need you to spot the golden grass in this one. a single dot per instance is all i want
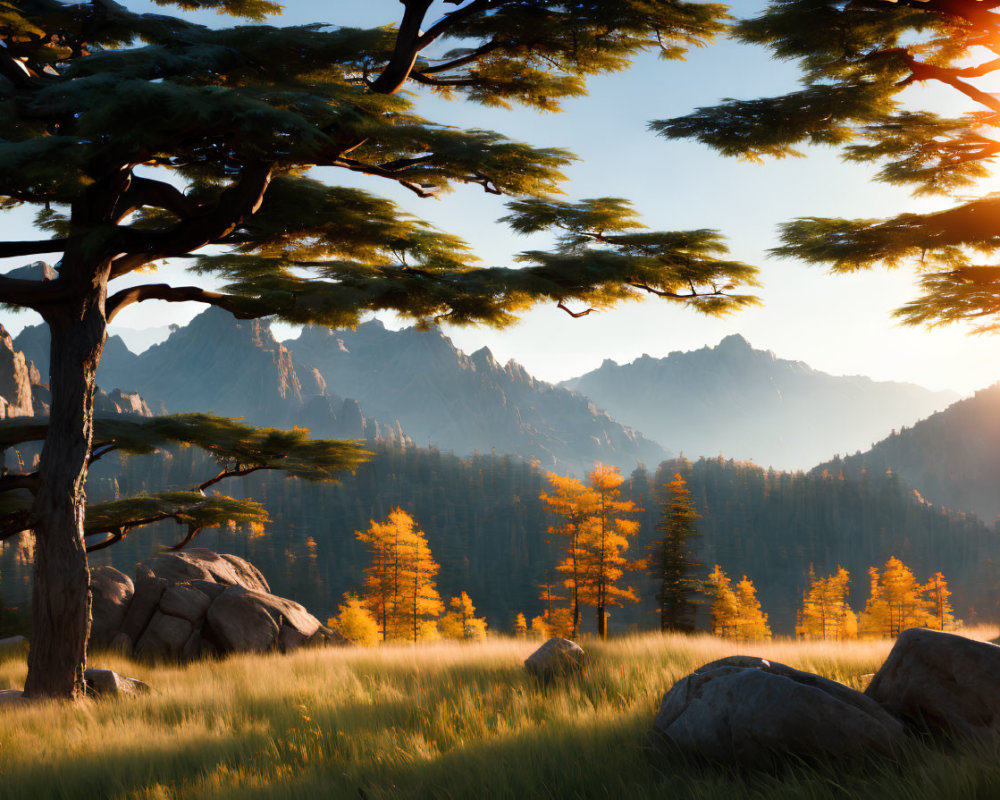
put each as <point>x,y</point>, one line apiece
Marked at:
<point>443,720</point>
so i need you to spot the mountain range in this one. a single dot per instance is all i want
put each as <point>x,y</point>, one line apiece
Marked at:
<point>952,458</point>
<point>751,405</point>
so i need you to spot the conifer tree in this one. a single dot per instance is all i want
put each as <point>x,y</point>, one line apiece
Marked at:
<point>602,542</point>
<point>520,626</point>
<point>724,609</point>
<point>672,562</point>
<point>825,612</point>
<point>143,137</point>
<point>896,602</point>
<point>399,586</point>
<point>574,501</point>
<point>858,61</point>
<point>461,621</point>
<point>751,621</point>
<point>937,593</point>
<point>355,622</point>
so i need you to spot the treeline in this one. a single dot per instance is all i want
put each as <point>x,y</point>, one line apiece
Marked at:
<point>488,528</point>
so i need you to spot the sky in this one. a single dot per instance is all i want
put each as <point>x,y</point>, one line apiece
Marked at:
<point>838,324</point>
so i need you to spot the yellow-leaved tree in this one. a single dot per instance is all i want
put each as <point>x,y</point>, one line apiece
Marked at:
<point>399,586</point>
<point>825,611</point>
<point>896,601</point>
<point>602,541</point>
<point>520,626</point>
<point>574,501</point>
<point>355,622</point>
<point>736,613</point>
<point>941,611</point>
<point>461,621</point>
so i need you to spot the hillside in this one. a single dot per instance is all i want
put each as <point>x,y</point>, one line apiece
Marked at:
<point>952,457</point>
<point>453,401</point>
<point>749,404</point>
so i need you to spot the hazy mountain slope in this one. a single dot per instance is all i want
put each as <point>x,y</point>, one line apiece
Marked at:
<point>454,401</point>
<point>748,404</point>
<point>952,458</point>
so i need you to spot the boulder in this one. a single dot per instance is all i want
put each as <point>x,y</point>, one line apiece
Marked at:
<point>201,564</point>
<point>748,711</point>
<point>111,592</point>
<point>164,637</point>
<point>240,622</point>
<point>941,682</point>
<point>103,683</point>
<point>185,601</point>
<point>557,657</point>
<point>148,590</point>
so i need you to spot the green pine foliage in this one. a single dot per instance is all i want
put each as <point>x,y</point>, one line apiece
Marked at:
<point>857,61</point>
<point>672,563</point>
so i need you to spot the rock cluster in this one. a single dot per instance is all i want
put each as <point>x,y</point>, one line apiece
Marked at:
<point>749,711</point>
<point>196,602</point>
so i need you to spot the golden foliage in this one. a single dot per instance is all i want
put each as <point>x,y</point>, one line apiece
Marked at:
<point>399,586</point>
<point>736,614</point>
<point>825,613</point>
<point>355,622</point>
<point>461,622</point>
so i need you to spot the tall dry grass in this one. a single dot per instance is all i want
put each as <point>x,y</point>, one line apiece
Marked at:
<point>444,720</point>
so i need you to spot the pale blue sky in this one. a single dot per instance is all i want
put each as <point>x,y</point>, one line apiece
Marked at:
<point>840,324</point>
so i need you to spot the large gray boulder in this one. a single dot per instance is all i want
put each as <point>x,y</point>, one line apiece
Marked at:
<point>941,682</point>
<point>556,658</point>
<point>111,592</point>
<point>194,603</point>
<point>748,711</point>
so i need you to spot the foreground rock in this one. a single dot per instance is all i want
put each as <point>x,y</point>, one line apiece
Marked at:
<point>12,698</point>
<point>941,682</point>
<point>196,602</point>
<point>104,684</point>
<point>747,711</point>
<point>557,657</point>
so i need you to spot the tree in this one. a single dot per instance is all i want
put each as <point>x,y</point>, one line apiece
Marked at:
<point>736,613</point>
<point>142,137</point>
<point>520,626</point>
<point>896,602</point>
<point>724,609</point>
<point>941,611</point>
<point>399,583</point>
<point>574,501</point>
<point>602,542</point>
<point>355,622</point>
<point>672,563</point>
<point>859,63</point>
<point>461,621</point>
<point>825,613</point>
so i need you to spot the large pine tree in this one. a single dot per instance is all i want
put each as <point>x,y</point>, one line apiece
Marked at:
<point>862,65</point>
<point>672,562</point>
<point>144,137</point>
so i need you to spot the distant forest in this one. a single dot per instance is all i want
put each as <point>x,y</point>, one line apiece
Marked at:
<point>487,528</point>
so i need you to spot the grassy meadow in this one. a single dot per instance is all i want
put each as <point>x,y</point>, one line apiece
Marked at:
<point>442,720</point>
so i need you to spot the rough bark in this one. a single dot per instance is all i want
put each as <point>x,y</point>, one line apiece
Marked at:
<point>61,591</point>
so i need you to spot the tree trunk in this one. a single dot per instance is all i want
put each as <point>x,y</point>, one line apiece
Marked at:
<point>60,622</point>
<point>602,621</point>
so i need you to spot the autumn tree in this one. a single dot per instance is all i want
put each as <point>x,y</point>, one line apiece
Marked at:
<point>896,601</point>
<point>671,562</point>
<point>520,626</point>
<point>825,611</point>
<point>736,613</point>
<point>937,593</point>
<point>574,501</point>
<point>461,622</point>
<point>143,137</point>
<point>863,67</point>
<point>355,622</point>
<point>602,542</point>
<point>399,586</point>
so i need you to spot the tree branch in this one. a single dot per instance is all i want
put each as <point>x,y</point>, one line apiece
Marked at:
<point>157,194</point>
<point>30,294</point>
<point>574,314</point>
<point>33,248</point>
<point>404,54</point>
<point>171,294</point>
